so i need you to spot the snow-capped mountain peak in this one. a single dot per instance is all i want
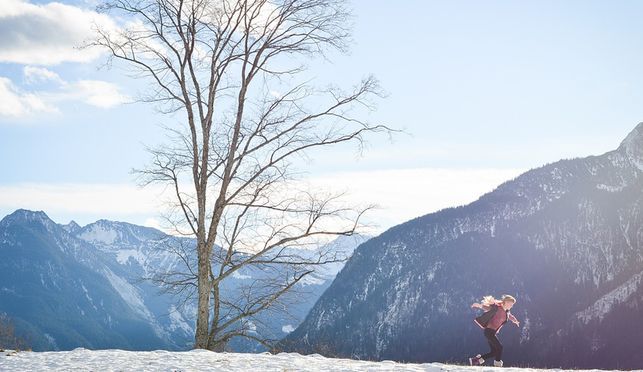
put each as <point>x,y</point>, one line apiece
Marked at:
<point>72,227</point>
<point>24,215</point>
<point>99,232</point>
<point>27,215</point>
<point>632,145</point>
<point>106,232</point>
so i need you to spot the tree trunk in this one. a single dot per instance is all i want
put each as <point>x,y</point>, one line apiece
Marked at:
<point>203,311</point>
<point>219,347</point>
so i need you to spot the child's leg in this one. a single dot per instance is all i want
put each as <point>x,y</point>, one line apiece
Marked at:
<point>494,344</point>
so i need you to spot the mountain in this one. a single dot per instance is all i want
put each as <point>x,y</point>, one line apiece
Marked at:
<point>566,239</point>
<point>301,298</point>
<point>54,287</point>
<point>68,286</point>
<point>138,252</point>
<point>72,227</point>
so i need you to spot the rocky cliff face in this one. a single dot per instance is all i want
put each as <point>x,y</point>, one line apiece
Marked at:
<point>566,239</point>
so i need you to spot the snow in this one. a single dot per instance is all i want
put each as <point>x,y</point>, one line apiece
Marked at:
<point>287,328</point>
<point>131,296</point>
<point>238,275</point>
<point>123,256</point>
<point>400,305</point>
<point>98,234</point>
<point>609,188</point>
<point>178,322</point>
<point>633,146</point>
<point>71,227</point>
<point>524,332</point>
<point>51,340</point>
<point>311,280</point>
<point>430,274</point>
<point>128,293</point>
<point>91,301</point>
<point>602,307</point>
<point>201,360</point>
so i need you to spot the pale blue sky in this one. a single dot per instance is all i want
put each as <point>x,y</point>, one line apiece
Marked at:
<point>502,86</point>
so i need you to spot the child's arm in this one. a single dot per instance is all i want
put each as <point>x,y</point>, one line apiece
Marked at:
<point>514,320</point>
<point>480,306</point>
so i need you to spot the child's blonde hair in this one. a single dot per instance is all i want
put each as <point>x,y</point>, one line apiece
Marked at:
<point>488,300</point>
<point>508,298</point>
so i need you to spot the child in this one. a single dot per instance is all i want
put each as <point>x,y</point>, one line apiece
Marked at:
<point>496,314</point>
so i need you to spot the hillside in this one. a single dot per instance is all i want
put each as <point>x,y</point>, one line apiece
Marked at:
<point>566,239</point>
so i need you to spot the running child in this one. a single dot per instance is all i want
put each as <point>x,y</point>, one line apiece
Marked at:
<point>496,314</point>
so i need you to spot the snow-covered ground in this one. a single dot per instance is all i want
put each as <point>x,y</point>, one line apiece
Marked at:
<point>202,360</point>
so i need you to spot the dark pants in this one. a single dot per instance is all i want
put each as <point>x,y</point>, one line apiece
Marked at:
<point>494,343</point>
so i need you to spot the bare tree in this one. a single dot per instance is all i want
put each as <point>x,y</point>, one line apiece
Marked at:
<point>229,70</point>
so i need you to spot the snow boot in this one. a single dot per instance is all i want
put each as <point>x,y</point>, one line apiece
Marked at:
<point>476,360</point>
<point>497,363</point>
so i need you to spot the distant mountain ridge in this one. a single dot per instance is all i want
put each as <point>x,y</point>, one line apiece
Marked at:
<point>566,239</point>
<point>68,286</point>
<point>55,290</point>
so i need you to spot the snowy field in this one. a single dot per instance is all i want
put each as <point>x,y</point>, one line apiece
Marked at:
<point>202,360</point>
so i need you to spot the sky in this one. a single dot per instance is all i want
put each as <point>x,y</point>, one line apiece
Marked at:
<point>484,90</point>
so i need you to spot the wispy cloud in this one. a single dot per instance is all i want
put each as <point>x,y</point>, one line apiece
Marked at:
<point>92,92</point>
<point>401,194</point>
<point>16,103</point>
<point>35,75</point>
<point>47,90</point>
<point>47,34</point>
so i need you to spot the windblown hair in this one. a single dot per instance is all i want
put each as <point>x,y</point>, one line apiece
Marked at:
<point>490,300</point>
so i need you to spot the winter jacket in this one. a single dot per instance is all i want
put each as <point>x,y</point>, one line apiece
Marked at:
<point>494,318</point>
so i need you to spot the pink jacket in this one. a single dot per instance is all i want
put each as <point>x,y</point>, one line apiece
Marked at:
<point>494,317</point>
